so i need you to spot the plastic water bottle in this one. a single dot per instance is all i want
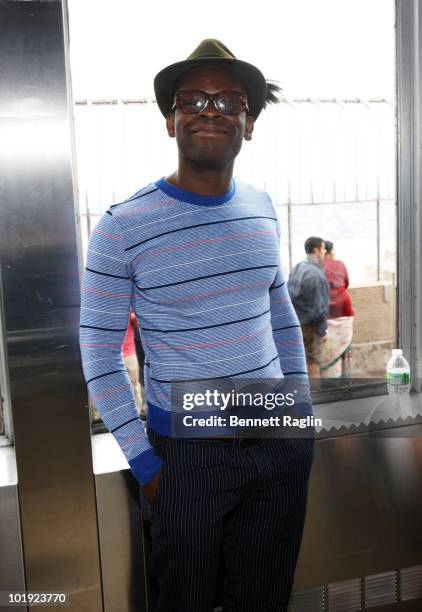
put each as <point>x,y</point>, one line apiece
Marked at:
<point>398,374</point>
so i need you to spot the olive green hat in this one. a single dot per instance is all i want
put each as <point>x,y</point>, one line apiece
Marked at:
<point>212,51</point>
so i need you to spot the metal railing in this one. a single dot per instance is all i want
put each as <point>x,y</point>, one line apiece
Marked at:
<point>305,152</point>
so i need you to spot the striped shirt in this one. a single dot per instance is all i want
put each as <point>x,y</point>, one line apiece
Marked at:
<point>203,277</point>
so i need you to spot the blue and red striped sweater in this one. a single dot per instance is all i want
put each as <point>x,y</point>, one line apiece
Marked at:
<point>203,277</point>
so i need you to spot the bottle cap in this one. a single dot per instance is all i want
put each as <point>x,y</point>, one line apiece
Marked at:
<point>397,352</point>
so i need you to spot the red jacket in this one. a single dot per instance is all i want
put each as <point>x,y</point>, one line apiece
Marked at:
<point>338,280</point>
<point>128,346</point>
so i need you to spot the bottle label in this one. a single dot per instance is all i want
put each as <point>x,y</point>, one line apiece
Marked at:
<point>398,378</point>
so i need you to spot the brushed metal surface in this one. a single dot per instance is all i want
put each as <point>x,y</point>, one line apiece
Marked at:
<point>364,517</point>
<point>12,576</point>
<point>409,182</point>
<point>40,279</point>
<point>365,508</point>
<point>121,542</point>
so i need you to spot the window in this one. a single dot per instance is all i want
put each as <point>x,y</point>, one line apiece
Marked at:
<point>326,154</point>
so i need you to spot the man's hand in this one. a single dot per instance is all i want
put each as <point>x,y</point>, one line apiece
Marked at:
<point>150,488</point>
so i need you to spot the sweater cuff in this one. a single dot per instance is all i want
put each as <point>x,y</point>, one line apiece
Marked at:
<point>145,466</point>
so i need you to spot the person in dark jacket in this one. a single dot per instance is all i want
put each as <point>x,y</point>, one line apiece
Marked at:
<point>309,292</point>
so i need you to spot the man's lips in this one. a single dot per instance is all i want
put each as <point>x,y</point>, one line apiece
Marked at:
<point>208,129</point>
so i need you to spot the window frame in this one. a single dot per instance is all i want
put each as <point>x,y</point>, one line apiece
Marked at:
<point>409,188</point>
<point>408,71</point>
<point>6,438</point>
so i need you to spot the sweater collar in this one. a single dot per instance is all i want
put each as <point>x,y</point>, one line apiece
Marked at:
<point>195,198</point>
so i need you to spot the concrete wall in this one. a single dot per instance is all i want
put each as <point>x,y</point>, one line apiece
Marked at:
<point>374,331</point>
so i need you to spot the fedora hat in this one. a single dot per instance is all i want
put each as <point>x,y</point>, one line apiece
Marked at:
<point>211,51</point>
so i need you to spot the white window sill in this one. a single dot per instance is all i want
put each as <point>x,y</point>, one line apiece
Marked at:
<point>8,473</point>
<point>106,454</point>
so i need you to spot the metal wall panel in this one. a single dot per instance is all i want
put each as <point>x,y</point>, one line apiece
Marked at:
<point>363,525</point>
<point>365,507</point>
<point>12,576</point>
<point>409,216</point>
<point>121,543</point>
<point>40,278</point>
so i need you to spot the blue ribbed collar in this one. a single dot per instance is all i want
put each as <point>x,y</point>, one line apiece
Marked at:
<point>194,198</point>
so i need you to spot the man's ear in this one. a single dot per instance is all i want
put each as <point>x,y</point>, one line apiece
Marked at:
<point>170,125</point>
<point>249,125</point>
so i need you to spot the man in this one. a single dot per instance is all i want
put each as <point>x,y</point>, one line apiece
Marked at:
<point>196,254</point>
<point>309,292</point>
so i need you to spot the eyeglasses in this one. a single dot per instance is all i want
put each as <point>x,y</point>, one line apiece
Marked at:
<point>193,102</point>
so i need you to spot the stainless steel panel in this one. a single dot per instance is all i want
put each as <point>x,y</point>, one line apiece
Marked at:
<point>40,278</point>
<point>363,520</point>
<point>11,558</point>
<point>365,508</point>
<point>409,188</point>
<point>121,543</point>
<point>6,431</point>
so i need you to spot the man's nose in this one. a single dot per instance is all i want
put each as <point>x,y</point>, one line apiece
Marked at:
<point>210,109</point>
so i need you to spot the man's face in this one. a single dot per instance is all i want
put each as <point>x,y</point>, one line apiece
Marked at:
<point>320,252</point>
<point>210,138</point>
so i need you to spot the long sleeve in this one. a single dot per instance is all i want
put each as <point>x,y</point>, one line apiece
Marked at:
<point>105,307</point>
<point>287,332</point>
<point>286,328</point>
<point>288,339</point>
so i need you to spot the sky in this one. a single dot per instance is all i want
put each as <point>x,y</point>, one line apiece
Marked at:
<point>313,48</point>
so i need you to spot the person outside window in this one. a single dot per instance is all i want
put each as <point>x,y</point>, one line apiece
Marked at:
<point>308,289</point>
<point>338,281</point>
<point>336,358</point>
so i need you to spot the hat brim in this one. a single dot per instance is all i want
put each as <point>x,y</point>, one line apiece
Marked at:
<point>253,78</point>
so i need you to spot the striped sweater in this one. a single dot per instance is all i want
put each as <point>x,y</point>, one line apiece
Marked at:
<point>203,276</point>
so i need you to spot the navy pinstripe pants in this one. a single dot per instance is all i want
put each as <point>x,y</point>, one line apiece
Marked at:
<point>244,507</point>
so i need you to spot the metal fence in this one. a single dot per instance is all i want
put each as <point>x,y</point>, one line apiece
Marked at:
<point>328,164</point>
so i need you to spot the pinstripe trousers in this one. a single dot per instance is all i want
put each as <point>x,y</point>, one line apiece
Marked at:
<point>243,507</point>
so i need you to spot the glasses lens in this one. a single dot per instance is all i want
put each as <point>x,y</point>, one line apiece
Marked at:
<point>191,102</point>
<point>230,103</point>
<point>226,102</point>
